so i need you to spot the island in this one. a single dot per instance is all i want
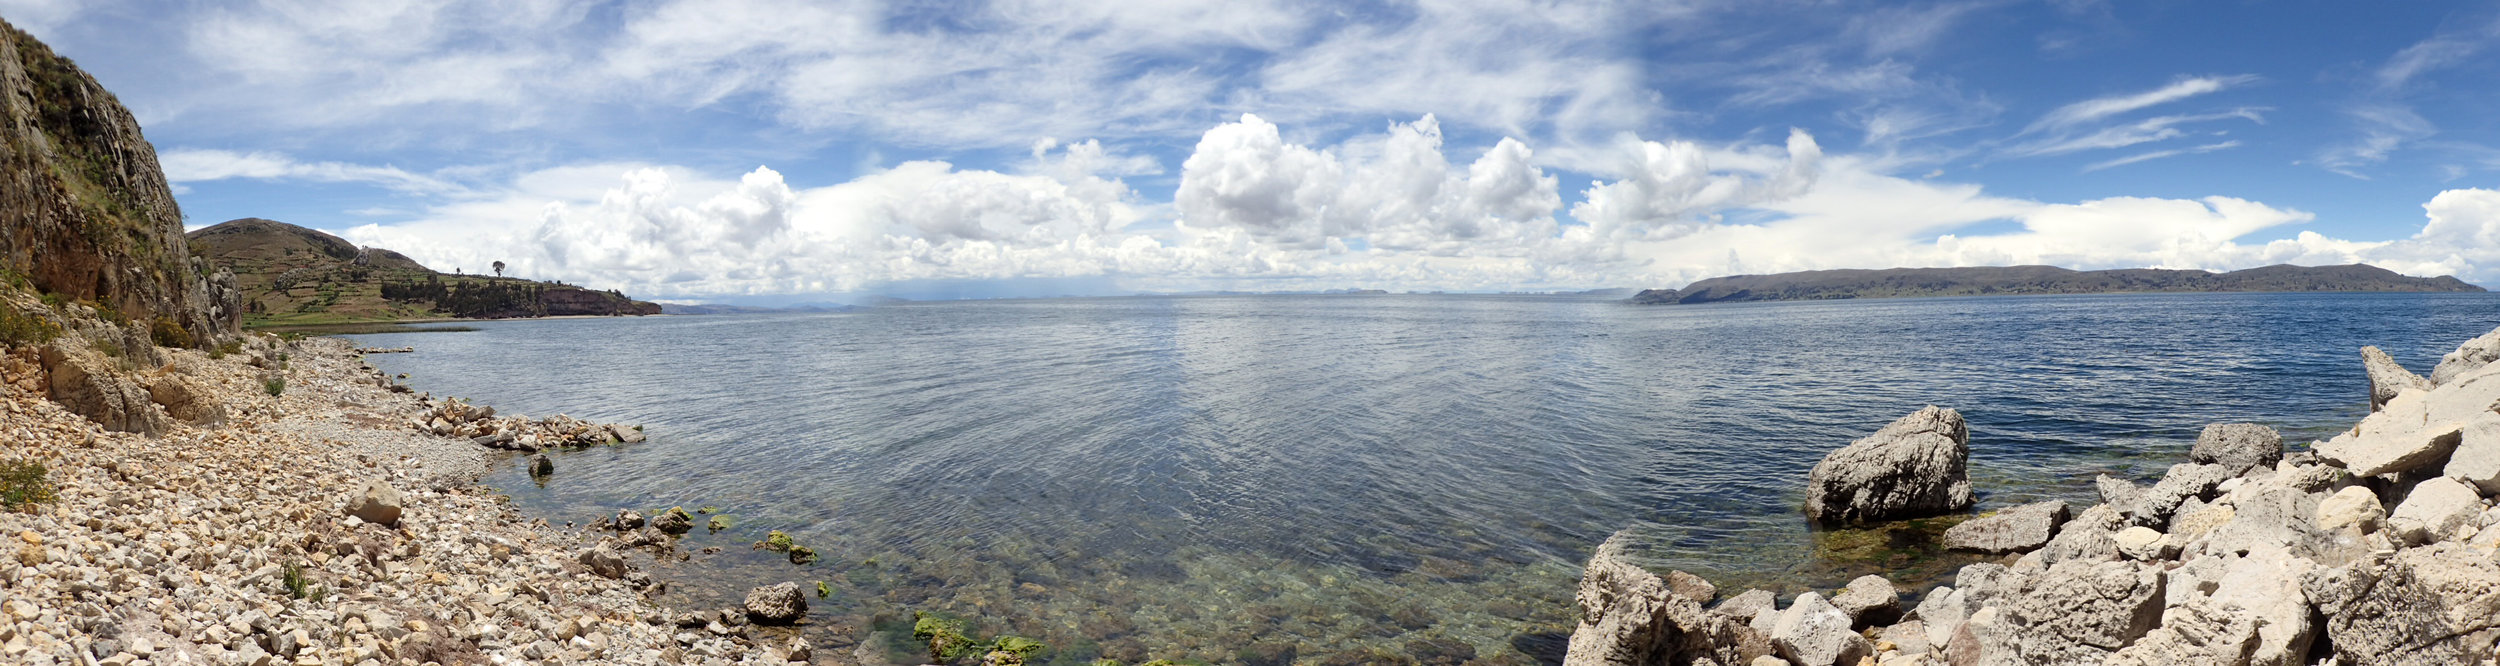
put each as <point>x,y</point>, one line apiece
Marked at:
<point>2029,280</point>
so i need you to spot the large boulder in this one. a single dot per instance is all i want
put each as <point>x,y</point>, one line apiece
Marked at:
<point>2076,612</point>
<point>2435,509</point>
<point>2477,457</point>
<point>375,502</point>
<point>2468,357</point>
<point>1869,600</point>
<point>1917,466</point>
<point>2423,606</point>
<point>2091,535</point>
<point>2387,377</point>
<point>2238,447</point>
<point>1631,617</point>
<point>2186,481</point>
<point>778,603</point>
<point>2371,451</point>
<point>2193,633</point>
<point>186,399</point>
<point>90,385</point>
<point>2019,528</point>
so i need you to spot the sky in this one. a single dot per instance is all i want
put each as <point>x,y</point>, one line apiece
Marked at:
<point>728,150</point>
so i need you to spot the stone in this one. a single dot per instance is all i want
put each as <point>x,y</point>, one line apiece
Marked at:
<point>2118,494</point>
<point>2188,525</point>
<point>89,385</point>
<point>2184,482</point>
<point>2399,451</point>
<point>778,603</point>
<point>2265,586</point>
<point>2477,457</point>
<point>2354,507</point>
<point>673,521</point>
<point>1630,617</point>
<point>541,465</point>
<point>2387,377</point>
<point>2435,509</point>
<point>1812,632</point>
<point>2192,633</point>
<point>2468,357</point>
<point>2142,543</point>
<point>1747,605</point>
<point>1916,466</point>
<point>627,519</point>
<point>2080,610</point>
<point>186,400</point>
<point>604,562</point>
<point>2086,537</point>
<point>2238,447</point>
<point>2019,528</point>
<point>1907,637</point>
<point>1869,600</point>
<point>375,502</point>
<point>1942,613</point>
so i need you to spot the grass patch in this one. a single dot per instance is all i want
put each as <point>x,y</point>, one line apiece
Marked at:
<point>24,484</point>
<point>274,386</point>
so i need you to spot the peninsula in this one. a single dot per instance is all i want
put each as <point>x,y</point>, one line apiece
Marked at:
<point>2032,280</point>
<point>292,275</point>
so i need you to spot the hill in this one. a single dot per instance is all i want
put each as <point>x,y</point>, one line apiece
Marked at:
<point>291,275</point>
<point>85,214</point>
<point>2015,280</point>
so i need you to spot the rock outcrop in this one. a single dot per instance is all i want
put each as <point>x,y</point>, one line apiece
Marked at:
<point>778,603</point>
<point>1917,466</point>
<point>1631,617</point>
<point>2387,377</point>
<point>91,385</point>
<point>2381,547</point>
<point>84,208</point>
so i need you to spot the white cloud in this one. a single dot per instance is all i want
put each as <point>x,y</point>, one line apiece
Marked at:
<point>193,165</point>
<point>2159,154</point>
<point>41,16</point>
<point>2092,110</point>
<point>1255,210</point>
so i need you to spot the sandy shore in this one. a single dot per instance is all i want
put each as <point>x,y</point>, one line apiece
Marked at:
<point>235,543</point>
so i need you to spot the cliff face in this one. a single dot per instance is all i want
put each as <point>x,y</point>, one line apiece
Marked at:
<point>84,209</point>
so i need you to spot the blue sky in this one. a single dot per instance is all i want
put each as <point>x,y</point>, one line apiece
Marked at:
<point>722,150</point>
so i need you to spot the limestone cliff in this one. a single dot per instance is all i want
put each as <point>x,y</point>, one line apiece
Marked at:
<point>84,209</point>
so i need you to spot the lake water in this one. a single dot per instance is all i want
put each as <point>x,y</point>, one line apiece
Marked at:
<point>1244,479</point>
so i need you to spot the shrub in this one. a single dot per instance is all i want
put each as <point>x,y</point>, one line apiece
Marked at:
<point>169,333</point>
<point>24,484</point>
<point>296,585</point>
<point>273,386</point>
<point>106,347</point>
<point>227,348</point>
<point>19,328</point>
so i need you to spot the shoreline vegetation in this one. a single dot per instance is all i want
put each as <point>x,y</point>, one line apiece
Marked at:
<point>2039,280</point>
<point>2379,545</point>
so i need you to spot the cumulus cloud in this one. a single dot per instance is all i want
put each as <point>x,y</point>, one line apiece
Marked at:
<point>1255,210</point>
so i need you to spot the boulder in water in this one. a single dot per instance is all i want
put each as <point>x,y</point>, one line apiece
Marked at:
<point>1917,466</point>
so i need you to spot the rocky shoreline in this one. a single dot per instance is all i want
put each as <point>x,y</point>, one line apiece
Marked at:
<point>2377,546</point>
<point>297,507</point>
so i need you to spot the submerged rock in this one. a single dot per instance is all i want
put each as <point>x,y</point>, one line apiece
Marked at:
<point>1916,466</point>
<point>2020,528</point>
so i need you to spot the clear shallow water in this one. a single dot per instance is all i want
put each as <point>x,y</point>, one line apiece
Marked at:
<point>1185,477</point>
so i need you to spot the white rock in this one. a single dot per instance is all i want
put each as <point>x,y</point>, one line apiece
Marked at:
<point>2477,458</point>
<point>2355,507</point>
<point>2435,509</point>
<point>1812,632</point>
<point>2143,543</point>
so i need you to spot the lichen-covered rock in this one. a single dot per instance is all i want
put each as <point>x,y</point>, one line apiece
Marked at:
<point>778,603</point>
<point>2387,377</point>
<point>2019,528</point>
<point>89,385</point>
<point>1918,465</point>
<point>2238,447</point>
<point>673,521</point>
<point>2435,509</point>
<point>1812,632</point>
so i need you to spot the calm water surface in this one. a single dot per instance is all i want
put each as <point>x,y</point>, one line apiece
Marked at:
<point>1183,478</point>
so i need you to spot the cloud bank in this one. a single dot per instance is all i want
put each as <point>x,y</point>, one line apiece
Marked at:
<point>1395,209</point>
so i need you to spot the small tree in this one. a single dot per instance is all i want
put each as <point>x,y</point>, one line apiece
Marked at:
<point>498,269</point>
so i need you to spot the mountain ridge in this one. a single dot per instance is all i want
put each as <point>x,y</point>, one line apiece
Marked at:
<point>294,275</point>
<point>1856,283</point>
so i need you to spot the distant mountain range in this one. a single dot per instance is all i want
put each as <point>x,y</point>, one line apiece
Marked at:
<point>2018,280</point>
<point>291,275</point>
